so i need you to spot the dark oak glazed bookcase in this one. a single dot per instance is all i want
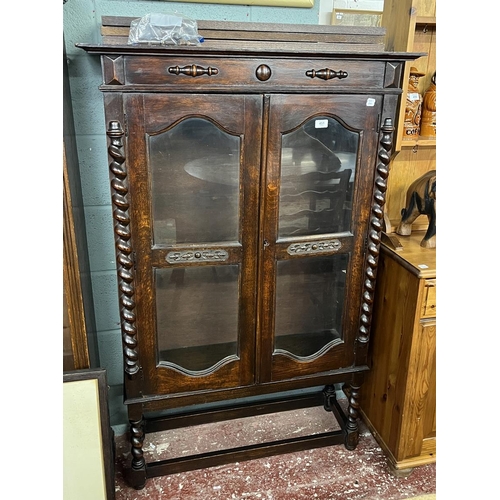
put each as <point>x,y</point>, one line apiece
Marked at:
<point>248,178</point>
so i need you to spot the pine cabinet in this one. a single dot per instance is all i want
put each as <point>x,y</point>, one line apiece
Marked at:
<point>247,179</point>
<point>398,401</point>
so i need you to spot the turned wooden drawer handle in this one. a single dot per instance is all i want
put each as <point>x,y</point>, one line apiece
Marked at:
<point>193,70</point>
<point>326,74</point>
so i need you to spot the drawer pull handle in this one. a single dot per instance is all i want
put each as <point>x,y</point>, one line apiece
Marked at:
<point>327,74</point>
<point>263,72</point>
<point>193,70</point>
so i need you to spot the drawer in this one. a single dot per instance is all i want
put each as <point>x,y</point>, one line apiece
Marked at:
<point>429,299</point>
<point>191,72</point>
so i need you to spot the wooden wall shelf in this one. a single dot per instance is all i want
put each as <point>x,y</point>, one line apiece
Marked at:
<point>430,20</point>
<point>411,26</point>
<point>418,142</point>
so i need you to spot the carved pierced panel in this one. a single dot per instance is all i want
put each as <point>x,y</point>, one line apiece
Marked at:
<point>314,247</point>
<point>215,255</point>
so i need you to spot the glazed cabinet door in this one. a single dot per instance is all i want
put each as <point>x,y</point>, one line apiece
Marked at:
<point>194,167</point>
<point>318,191</point>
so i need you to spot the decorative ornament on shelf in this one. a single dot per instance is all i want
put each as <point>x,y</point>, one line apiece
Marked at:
<point>413,110</point>
<point>428,128</point>
<point>420,200</point>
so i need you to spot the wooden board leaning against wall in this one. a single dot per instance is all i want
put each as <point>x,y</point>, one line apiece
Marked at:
<point>411,25</point>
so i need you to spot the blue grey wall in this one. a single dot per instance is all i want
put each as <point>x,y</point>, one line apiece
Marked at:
<point>82,25</point>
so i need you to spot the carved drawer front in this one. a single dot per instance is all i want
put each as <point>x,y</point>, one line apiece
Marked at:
<point>429,299</point>
<point>259,73</point>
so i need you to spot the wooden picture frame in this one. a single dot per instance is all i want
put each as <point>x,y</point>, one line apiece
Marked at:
<point>88,444</point>
<point>80,349</point>
<point>351,17</point>
<point>273,3</point>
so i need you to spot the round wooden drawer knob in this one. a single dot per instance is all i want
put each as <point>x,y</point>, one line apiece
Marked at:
<point>263,72</point>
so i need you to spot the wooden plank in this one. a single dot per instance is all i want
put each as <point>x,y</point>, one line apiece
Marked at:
<point>418,142</point>
<point>251,452</point>
<point>123,31</point>
<point>245,46</point>
<point>426,20</point>
<point>262,27</point>
<point>291,28</point>
<point>259,36</point>
<point>235,412</point>
<point>297,37</point>
<point>397,18</point>
<point>115,30</point>
<point>114,40</point>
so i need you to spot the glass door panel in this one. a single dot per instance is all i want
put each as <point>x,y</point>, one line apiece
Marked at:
<point>195,171</point>
<point>314,231</point>
<point>194,184</point>
<point>197,320</point>
<point>309,304</point>
<point>318,163</point>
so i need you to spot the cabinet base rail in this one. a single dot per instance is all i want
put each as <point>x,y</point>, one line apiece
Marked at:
<point>139,470</point>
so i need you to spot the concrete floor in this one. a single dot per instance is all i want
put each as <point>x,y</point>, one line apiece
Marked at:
<point>324,473</point>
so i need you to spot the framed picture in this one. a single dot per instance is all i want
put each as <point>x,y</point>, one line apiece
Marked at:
<point>351,17</point>
<point>273,3</point>
<point>88,444</point>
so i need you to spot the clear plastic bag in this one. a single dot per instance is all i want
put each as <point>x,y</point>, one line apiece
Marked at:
<point>164,29</point>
